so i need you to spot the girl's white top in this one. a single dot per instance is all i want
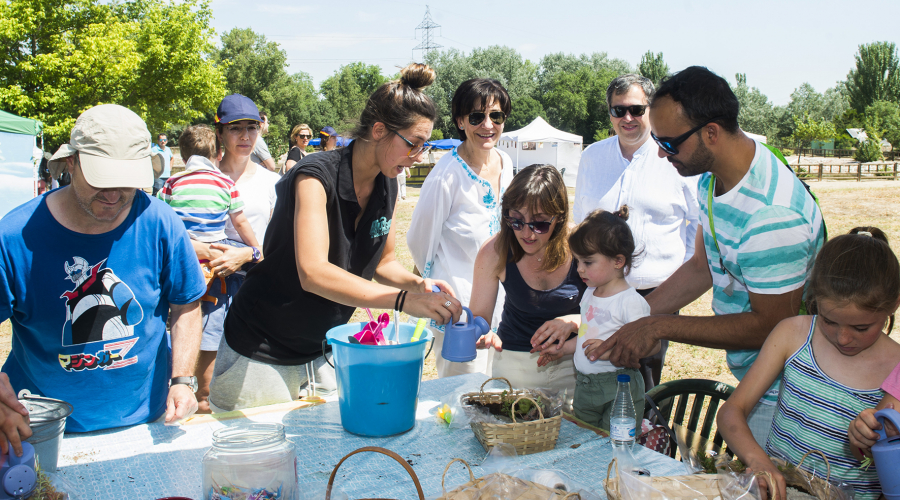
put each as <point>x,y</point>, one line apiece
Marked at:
<point>456,213</point>
<point>258,194</point>
<point>600,318</point>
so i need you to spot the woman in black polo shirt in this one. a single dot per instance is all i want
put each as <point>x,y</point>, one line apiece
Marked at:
<point>330,234</point>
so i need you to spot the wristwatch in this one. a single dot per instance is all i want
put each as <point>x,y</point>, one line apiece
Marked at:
<point>256,254</point>
<point>188,381</point>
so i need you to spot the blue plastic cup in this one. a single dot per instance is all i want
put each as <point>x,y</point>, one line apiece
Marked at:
<point>378,386</point>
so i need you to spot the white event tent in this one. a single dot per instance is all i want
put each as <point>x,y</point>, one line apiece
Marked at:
<point>538,142</point>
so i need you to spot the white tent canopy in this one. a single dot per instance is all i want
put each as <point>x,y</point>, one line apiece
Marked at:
<point>538,142</point>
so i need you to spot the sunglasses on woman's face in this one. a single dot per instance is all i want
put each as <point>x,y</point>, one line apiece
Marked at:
<point>539,227</point>
<point>304,136</point>
<point>635,110</point>
<point>476,118</point>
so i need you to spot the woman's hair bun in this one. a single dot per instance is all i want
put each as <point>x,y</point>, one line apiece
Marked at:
<point>623,212</point>
<point>417,76</point>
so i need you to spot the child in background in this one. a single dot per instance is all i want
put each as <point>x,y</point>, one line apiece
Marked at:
<point>604,247</point>
<point>203,196</point>
<point>833,364</point>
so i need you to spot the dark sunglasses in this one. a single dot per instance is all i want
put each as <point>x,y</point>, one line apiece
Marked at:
<point>670,146</point>
<point>634,109</point>
<point>539,227</point>
<point>414,150</point>
<point>476,118</point>
<point>304,136</point>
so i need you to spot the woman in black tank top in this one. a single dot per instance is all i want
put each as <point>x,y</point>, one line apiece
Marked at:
<point>530,257</point>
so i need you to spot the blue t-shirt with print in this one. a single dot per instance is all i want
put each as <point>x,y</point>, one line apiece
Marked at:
<point>89,311</point>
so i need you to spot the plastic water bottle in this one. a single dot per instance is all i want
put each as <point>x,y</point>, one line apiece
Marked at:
<point>622,421</point>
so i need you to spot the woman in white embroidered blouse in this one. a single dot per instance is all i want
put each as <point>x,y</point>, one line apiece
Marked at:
<point>459,205</point>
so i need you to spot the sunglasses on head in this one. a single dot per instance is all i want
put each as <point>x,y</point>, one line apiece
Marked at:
<point>539,227</point>
<point>476,118</point>
<point>635,110</point>
<point>670,146</point>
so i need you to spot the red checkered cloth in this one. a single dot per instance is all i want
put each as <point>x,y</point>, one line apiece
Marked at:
<point>654,437</point>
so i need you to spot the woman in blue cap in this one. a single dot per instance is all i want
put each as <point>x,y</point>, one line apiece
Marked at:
<point>237,128</point>
<point>330,235</point>
<point>328,139</point>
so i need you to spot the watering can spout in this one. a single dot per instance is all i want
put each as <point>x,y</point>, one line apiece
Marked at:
<point>886,453</point>
<point>460,338</point>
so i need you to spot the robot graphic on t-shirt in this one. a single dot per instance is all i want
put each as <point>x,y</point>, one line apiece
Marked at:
<point>100,308</point>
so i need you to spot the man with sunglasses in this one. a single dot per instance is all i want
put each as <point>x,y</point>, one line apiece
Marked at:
<point>761,232</point>
<point>625,170</point>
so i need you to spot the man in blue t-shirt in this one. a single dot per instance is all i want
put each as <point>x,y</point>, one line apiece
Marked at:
<point>165,152</point>
<point>88,275</point>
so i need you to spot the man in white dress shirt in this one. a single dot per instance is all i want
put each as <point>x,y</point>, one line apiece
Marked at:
<point>626,170</point>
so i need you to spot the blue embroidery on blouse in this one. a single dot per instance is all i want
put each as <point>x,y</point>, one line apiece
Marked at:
<point>380,227</point>
<point>488,200</point>
<point>426,273</point>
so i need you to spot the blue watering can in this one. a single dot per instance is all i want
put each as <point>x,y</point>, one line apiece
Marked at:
<point>460,338</point>
<point>17,476</point>
<point>886,453</point>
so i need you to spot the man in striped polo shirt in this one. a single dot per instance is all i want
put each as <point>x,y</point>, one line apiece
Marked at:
<point>760,234</point>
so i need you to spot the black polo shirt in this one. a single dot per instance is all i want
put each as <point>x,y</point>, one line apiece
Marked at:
<point>273,319</point>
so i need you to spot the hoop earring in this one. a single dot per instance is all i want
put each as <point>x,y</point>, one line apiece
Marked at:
<point>890,324</point>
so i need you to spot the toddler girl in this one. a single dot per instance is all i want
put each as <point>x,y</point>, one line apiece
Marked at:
<point>604,247</point>
<point>833,364</point>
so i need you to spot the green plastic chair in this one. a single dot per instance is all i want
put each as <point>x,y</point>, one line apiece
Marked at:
<point>675,395</point>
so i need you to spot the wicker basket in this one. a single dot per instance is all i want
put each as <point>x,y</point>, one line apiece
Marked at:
<point>527,437</point>
<point>674,487</point>
<point>383,451</point>
<point>533,491</point>
<point>799,478</point>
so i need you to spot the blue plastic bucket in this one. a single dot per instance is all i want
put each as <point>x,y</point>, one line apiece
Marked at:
<point>378,386</point>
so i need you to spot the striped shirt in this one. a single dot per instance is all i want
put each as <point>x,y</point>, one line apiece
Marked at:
<point>203,197</point>
<point>768,229</point>
<point>814,413</point>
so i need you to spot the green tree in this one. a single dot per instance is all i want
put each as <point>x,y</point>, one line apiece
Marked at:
<point>757,113</point>
<point>257,68</point>
<point>524,111</point>
<point>870,149</point>
<point>347,91</point>
<point>884,118</point>
<point>63,57</point>
<point>808,130</point>
<point>653,67</point>
<point>876,76</point>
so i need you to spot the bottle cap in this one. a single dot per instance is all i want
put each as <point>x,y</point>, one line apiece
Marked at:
<point>623,378</point>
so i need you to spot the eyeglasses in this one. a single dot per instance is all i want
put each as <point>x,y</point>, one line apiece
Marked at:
<point>163,140</point>
<point>237,129</point>
<point>539,227</point>
<point>634,109</point>
<point>476,118</point>
<point>304,136</point>
<point>413,149</point>
<point>670,146</point>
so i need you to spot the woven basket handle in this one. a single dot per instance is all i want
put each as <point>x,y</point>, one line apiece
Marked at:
<point>572,496</point>
<point>471,476</point>
<point>828,465</point>
<point>383,451</point>
<point>495,378</point>
<point>770,481</point>
<point>612,463</point>
<point>512,409</point>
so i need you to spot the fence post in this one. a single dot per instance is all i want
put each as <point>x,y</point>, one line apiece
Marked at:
<point>820,171</point>
<point>895,171</point>
<point>858,172</point>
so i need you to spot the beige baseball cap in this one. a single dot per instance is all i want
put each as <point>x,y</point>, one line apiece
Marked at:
<point>113,146</point>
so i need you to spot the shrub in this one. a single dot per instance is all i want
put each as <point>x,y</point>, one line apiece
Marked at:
<point>869,150</point>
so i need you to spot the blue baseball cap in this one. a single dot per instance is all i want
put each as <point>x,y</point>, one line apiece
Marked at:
<point>328,132</point>
<point>236,107</point>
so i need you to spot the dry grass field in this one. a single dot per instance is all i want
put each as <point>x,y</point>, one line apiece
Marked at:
<point>845,205</point>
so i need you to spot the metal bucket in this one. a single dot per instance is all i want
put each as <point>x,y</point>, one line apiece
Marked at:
<point>48,422</point>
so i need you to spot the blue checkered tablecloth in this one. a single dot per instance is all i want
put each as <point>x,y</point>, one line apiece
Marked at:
<point>151,461</point>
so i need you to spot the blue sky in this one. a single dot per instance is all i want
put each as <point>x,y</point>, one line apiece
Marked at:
<point>778,44</point>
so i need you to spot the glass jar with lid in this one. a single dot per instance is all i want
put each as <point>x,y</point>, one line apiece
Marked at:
<point>251,461</point>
